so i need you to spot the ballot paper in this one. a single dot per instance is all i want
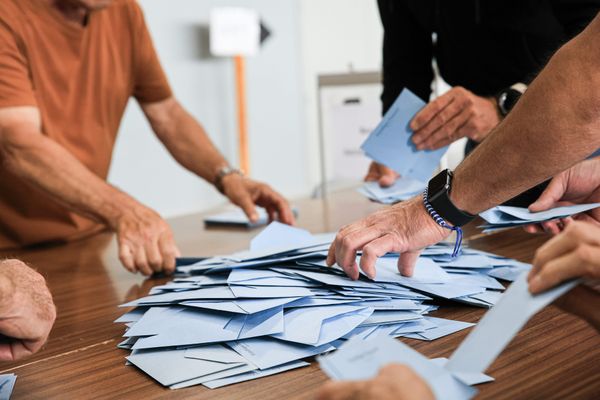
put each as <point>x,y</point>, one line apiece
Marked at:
<point>238,218</point>
<point>360,360</point>
<point>499,325</point>
<point>260,311</point>
<point>7,384</point>
<point>390,143</point>
<point>502,217</point>
<point>402,189</point>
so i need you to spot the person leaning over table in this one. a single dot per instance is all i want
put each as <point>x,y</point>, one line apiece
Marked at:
<point>536,142</point>
<point>67,70</point>
<point>27,311</point>
<point>575,253</point>
<point>488,51</point>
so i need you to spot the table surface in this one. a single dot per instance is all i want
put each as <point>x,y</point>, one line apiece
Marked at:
<point>554,356</point>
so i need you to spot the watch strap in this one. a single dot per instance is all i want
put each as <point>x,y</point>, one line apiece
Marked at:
<point>438,196</point>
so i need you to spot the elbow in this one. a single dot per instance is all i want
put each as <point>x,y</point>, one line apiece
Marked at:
<point>16,145</point>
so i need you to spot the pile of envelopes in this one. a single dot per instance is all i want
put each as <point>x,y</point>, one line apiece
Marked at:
<point>261,311</point>
<point>403,189</point>
<point>503,217</point>
<point>450,379</point>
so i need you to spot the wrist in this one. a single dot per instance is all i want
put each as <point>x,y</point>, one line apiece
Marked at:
<point>224,176</point>
<point>457,196</point>
<point>120,208</point>
<point>497,111</point>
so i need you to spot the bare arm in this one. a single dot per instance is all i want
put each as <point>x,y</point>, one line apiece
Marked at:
<point>185,138</point>
<point>189,144</point>
<point>145,241</point>
<point>47,165</point>
<point>554,125</point>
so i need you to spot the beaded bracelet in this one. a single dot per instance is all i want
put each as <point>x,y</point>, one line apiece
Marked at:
<point>441,222</point>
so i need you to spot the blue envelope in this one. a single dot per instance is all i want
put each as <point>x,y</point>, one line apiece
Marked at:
<point>390,143</point>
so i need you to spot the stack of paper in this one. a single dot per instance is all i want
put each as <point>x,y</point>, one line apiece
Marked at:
<point>238,218</point>
<point>261,311</point>
<point>390,143</point>
<point>403,189</point>
<point>503,217</point>
<point>448,379</point>
<point>7,384</point>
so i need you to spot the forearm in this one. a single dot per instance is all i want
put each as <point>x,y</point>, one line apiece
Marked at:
<point>46,165</point>
<point>554,125</point>
<point>185,138</point>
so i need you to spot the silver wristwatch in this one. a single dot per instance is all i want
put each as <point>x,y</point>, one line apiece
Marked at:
<point>222,173</point>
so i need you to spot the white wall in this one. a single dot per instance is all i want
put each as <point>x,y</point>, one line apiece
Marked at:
<point>204,85</point>
<point>310,37</point>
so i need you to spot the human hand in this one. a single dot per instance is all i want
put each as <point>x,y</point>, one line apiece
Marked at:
<point>457,113</point>
<point>575,253</point>
<point>27,311</point>
<point>393,382</point>
<point>246,194</point>
<point>383,175</point>
<point>579,184</point>
<point>405,228</point>
<point>145,241</point>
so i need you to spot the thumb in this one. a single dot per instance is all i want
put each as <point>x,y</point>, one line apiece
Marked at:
<point>550,196</point>
<point>407,261</point>
<point>386,180</point>
<point>387,177</point>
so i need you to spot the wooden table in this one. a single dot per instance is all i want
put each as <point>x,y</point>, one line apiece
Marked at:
<point>554,356</point>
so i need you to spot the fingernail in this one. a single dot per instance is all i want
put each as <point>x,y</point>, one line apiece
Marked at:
<point>534,284</point>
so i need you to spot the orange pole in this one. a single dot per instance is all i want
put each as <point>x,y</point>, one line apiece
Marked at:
<point>240,85</point>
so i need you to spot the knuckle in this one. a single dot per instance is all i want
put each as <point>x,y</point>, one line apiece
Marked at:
<point>347,242</point>
<point>584,253</point>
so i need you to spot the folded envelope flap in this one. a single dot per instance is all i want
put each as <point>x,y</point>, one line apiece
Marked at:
<point>215,353</point>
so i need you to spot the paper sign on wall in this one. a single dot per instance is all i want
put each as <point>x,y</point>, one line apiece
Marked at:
<point>234,31</point>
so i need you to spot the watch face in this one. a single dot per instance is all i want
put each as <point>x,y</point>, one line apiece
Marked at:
<point>439,183</point>
<point>508,99</point>
<point>502,103</point>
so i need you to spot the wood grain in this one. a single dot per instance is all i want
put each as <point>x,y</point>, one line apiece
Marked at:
<point>554,356</point>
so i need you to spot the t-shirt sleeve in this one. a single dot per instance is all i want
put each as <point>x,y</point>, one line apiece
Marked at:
<point>150,81</point>
<point>16,88</point>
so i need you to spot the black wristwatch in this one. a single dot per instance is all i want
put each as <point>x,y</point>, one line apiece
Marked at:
<point>507,98</point>
<point>438,196</point>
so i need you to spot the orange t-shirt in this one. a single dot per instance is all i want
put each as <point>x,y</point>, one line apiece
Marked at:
<point>80,78</point>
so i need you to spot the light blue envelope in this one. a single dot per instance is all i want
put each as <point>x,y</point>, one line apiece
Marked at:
<point>359,360</point>
<point>443,327</point>
<point>304,325</point>
<point>521,215</point>
<point>171,366</point>
<point>390,143</point>
<point>499,325</point>
<point>267,352</point>
<point>241,306</point>
<point>255,374</point>
<point>189,327</point>
<point>7,384</point>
